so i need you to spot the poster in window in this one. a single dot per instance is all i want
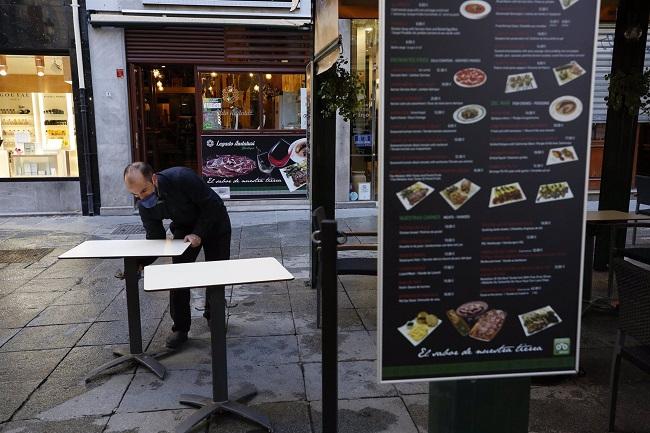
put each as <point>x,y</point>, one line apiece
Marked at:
<point>256,165</point>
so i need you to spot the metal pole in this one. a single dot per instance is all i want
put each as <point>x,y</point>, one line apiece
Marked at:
<point>83,108</point>
<point>327,277</point>
<point>133,304</point>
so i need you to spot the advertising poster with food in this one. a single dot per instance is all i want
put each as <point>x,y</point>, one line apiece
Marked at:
<point>264,165</point>
<point>484,167</point>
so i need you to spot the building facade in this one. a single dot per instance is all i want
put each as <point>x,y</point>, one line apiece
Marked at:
<point>42,160</point>
<point>217,86</point>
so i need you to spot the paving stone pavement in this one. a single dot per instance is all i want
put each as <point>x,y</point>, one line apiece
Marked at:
<point>60,319</point>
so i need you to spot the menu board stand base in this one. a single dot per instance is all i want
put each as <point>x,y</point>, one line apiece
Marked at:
<point>486,406</point>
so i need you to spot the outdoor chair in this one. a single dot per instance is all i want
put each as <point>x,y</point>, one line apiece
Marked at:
<point>345,265</point>
<point>634,322</point>
<point>642,198</point>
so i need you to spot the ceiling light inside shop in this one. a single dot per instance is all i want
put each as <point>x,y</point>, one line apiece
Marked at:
<point>213,74</point>
<point>250,74</point>
<point>3,66</point>
<point>268,76</point>
<point>284,61</point>
<point>256,88</point>
<point>163,66</point>
<point>156,73</point>
<point>369,29</point>
<point>39,61</point>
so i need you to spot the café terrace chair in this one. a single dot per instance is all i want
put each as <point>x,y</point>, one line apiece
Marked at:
<point>634,323</point>
<point>345,265</point>
<point>642,199</point>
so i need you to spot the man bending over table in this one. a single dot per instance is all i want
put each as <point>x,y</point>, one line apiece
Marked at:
<point>198,216</point>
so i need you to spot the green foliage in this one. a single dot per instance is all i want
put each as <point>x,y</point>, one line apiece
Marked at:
<point>629,92</point>
<point>342,92</point>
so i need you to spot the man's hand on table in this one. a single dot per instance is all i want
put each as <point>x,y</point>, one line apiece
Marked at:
<point>194,240</point>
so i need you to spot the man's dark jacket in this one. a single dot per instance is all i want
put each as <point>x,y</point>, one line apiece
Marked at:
<point>189,202</point>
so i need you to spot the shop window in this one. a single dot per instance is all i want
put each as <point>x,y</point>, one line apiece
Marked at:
<point>252,100</point>
<point>37,131</point>
<point>363,143</point>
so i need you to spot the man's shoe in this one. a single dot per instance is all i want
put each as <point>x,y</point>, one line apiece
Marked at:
<point>176,339</point>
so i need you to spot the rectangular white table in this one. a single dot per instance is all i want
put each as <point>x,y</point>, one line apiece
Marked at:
<point>130,251</point>
<point>214,276</point>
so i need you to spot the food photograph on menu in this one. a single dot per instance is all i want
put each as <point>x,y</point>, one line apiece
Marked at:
<point>416,330</point>
<point>565,108</point>
<point>470,77</point>
<point>566,73</point>
<point>469,114</point>
<point>520,82</point>
<point>506,194</point>
<point>560,155</point>
<point>566,4</point>
<point>475,9</point>
<point>553,192</point>
<point>538,320</point>
<point>414,194</point>
<point>459,193</point>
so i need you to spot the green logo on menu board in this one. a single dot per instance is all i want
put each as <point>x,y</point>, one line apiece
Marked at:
<point>561,346</point>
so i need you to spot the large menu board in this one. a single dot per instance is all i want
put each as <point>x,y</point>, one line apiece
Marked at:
<point>486,109</point>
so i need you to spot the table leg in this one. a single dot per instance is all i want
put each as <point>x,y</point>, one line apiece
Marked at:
<point>588,265</point>
<point>135,353</point>
<point>219,402</point>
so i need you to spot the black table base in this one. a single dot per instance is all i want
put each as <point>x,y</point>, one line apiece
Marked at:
<point>135,353</point>
<point>219,402</point>
<point>146,359</point>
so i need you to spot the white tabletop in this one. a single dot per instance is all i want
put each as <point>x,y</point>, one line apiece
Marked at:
<point>223,272</point>
<point>107,249</point>
<point>614,215</point>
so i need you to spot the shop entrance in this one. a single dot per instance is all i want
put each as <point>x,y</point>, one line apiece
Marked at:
<point>163,109</point>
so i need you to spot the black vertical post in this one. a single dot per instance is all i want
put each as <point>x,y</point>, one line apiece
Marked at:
<point>327,279</point>
<point>133,304</point>
<point>486,406</point>
<point>217,301</point>
<point>323,154</point>
<point>620,130</point>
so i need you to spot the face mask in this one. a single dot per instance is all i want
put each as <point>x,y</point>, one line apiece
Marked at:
<point>150,201</point>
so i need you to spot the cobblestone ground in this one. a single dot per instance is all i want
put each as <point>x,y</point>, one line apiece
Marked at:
<point>60,319</point>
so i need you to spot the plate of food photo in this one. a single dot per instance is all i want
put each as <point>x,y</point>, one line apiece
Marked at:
<point>565,108</point>
<point>566,4</point>
<point>459,193</point>
<point>414,194</point>
<point>567,73</point>
<point>553,192</point>
<point>475,9</point>
<point>520,82</point>
<point>469,114</point>
<point>488,325</point>
<point>506,194</point>
<point>295,175</point>
<point>470,77</point>
<point>560,155</point>
<point>538,320</point>
<point>416,330</point>
<point>298,150</point>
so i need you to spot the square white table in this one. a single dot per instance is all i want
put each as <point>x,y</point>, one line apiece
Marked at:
<point>215,275</point>
<point>130,251</point>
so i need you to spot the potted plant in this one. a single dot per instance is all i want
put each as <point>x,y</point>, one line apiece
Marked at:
<point>342,92</point>
<point>629,91</point>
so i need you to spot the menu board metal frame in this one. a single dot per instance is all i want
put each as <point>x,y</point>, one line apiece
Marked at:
<point>386,312</point>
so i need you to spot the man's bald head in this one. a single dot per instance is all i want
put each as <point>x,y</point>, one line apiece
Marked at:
<point>139,179</point>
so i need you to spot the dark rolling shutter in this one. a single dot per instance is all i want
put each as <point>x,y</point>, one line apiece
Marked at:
<point>219,46</point>
<point>175,45</point>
